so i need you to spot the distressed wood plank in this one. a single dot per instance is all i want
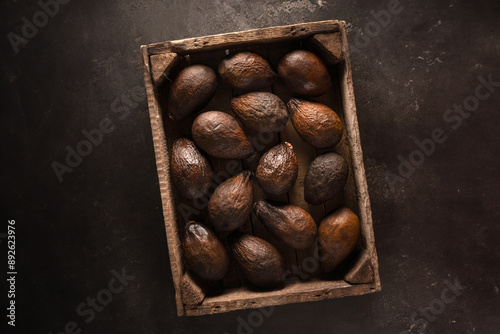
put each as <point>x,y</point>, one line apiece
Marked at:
<point>193,290</point>
<point>362,271</point>
<point>260,36</point>
<point>299,292</point>
<point>352,131</point>
<point>161,65</point>
<point>328,45</point>
<point>162,163</point>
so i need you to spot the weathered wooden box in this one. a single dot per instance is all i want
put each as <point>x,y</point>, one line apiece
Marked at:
<point>359,274</point>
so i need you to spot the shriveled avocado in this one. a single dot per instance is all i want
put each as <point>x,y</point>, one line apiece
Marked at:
<point>191,90</point>
<point>247,70</point>
<point>338,236</point>
<point>325,178</point>
<point>304,73</point>
<point>231,202</point>
<point>288,223</point>
<point>260,262</point>
<point>278,169</point>
<point>204,253</point>
<point>220,135</point>
<point>190,170</point>
<point>317,124</point>
<point>261,111</point>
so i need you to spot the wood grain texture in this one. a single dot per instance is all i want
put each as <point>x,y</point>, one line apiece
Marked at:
<point>243,298</point>
<point>362,271</point>
<point>352,131</point>
<point>161,64</point>
<point>192,289</point>
<point>162,166</point>
<point>261,36</point>
<point>328,45</point>
<point>236,294</point>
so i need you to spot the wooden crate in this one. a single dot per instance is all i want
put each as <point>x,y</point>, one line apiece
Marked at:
<point>161,62</point>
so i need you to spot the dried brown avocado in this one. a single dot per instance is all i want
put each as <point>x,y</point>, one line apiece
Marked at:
<point>338,235</point>
<point>191,90</point>
<point>221,136</point>
<point>191,172</point>
<point>231,203</point>
<point>204,253</point>
<point>260,262</point>
<point>317,124</point>
<point>304,73</point>
<point>288,223</point>
<point>261,111</point>
<point>278,169</point>
<point>325,178</point>
<point>247,70</point>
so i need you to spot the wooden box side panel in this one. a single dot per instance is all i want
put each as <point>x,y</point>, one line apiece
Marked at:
<point>242,298</point>
<point>263,35</point>
<point>351,122</point>
<point>162,165</point>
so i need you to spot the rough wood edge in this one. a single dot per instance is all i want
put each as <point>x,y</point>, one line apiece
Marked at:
<point>352,132</point>
<point>330,46</point>
<point>243,298</point>
<point>161,64</point>
<point>262,35</point>
<point>162,161</point>
<point>362,271</point>
<point>193,290</point>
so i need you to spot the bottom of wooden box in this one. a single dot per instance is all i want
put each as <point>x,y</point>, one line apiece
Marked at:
<point>244,298</point>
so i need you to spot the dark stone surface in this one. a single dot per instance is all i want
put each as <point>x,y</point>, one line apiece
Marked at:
<point>440,223</point>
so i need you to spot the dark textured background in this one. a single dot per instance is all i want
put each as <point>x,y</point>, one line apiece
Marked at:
<point>441,223</point>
